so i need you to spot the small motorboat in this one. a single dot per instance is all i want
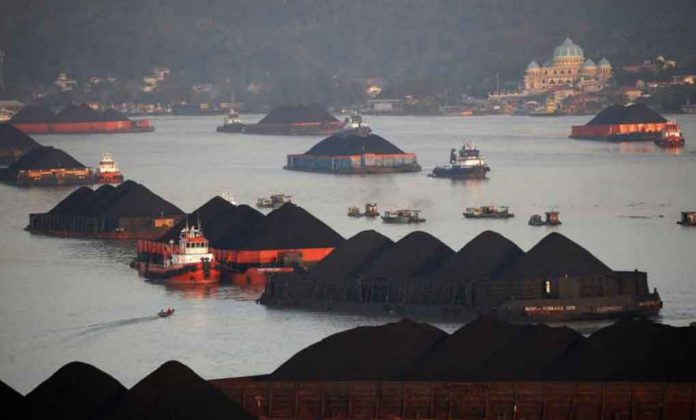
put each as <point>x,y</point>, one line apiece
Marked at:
<point>165,313</point>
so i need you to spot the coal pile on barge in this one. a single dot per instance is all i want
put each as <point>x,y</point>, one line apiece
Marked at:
<point>385,352</point>
<point>75,391</point>
<point>129,211</point>
<point>76,119</point>
<point>12,403</point>
<point>13,144</point>
<point>354,154</point>
<point>289,120</point>
<point>620,123</point>
<point>484,257</point>
<point>556,280</point>
<point>174,391</point>
<point>47,166</point>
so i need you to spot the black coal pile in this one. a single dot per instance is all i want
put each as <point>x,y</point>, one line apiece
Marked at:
<point>532,355</point>
<point>113,115</point>
<point>630,114</point>
<point>234,229</point>
<point>33,114</point>
<point>633,350</point>
<point>338,145</point>
<point>129,199</point>
<point>205,216</point>
<point>76,198</point>
<point>78,113</point>
<point>12,403</point>
<point>291,114</point>
<point>174,391</point>
<point>290,227</point>
<point>466,349</point>
<point>44,157</point>
<point>417,254</point>
<point>12,138</point>
<point>484,257</point>
<point>383,352</point>
<point>350,258</point>
<point>75,391</point>
<point>556,256</point>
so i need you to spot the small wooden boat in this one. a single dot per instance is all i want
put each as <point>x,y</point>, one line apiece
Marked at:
<point>551,219</point>
<point>488,212</point>
<point>165,313</point>
<point>402,216</point>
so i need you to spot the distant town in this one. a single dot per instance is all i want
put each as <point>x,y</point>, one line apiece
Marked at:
<point>567,83</point>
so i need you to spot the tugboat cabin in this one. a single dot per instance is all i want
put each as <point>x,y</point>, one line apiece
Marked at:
<point>688,218</point>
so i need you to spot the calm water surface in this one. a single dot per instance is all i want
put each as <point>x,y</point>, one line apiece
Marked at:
<point>75,299</point>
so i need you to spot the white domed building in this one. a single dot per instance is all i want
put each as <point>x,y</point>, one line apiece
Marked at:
<point>567,70</point>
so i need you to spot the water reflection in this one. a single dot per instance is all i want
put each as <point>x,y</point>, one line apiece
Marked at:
<point>214,291</point>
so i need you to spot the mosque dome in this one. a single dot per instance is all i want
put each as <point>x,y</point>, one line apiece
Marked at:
<point>532,66</point>
<point>589,63</point>
<point>568,49</point>
<point>604,63</point>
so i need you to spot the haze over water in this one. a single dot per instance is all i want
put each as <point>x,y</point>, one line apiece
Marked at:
<point>76,299</point>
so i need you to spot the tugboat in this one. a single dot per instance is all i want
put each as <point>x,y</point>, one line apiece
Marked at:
<point>108,172</point>
<point>232,123</point>
<point>670,137</point>
<point>402,216</point>
<point>465,164</point>
<point>273,202</point>
<point>370,211</point>
<point>354,125</point>
<point>688,218</point>
<point>551,219</point>
<point>354,212</point>
<point>189,261</point>
<point>488,212</point>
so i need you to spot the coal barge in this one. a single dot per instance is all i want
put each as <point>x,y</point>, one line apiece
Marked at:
<point>77,119</point>
<point>619,123</point>
<point>556,280</point>
<point>354,154</point>
<point>129,211</point>
<point>288,120</point>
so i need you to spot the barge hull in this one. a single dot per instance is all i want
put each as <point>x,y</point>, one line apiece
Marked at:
<point>305,399</point>
<point>305,129</point>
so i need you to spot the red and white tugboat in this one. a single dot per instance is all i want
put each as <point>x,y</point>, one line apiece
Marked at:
<point>670,137</point>
<point>189,262</point>
<point>107,172</point>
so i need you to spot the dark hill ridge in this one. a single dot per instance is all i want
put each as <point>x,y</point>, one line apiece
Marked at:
<point>290,227</point>
<point>484,257</point>
<point>383,352</point>
<point>33,114</point>
<point>556,256</point>
<point>207,214</point>
<point>630,114</point>
<point>78,113</point>
<point>173,391</point>
<point>75,391</point>
<point>416,254</point>
<point>339,145</point>
<point>129,199</point>
<point>11,137</point>
<point>44,157</point>
<point>291,114</point>
<point>349,259</point>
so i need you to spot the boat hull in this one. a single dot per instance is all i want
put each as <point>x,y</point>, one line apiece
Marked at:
<point>460,173</point>
<point>307,129</point>
<point>197,273</point>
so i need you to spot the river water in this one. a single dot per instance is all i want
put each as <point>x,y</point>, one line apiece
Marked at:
<point>77,299</point>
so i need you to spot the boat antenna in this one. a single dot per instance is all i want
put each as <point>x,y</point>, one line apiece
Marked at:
<point>198,215</point>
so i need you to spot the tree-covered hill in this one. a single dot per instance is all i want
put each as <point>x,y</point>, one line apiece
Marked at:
<point>460,44</point>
